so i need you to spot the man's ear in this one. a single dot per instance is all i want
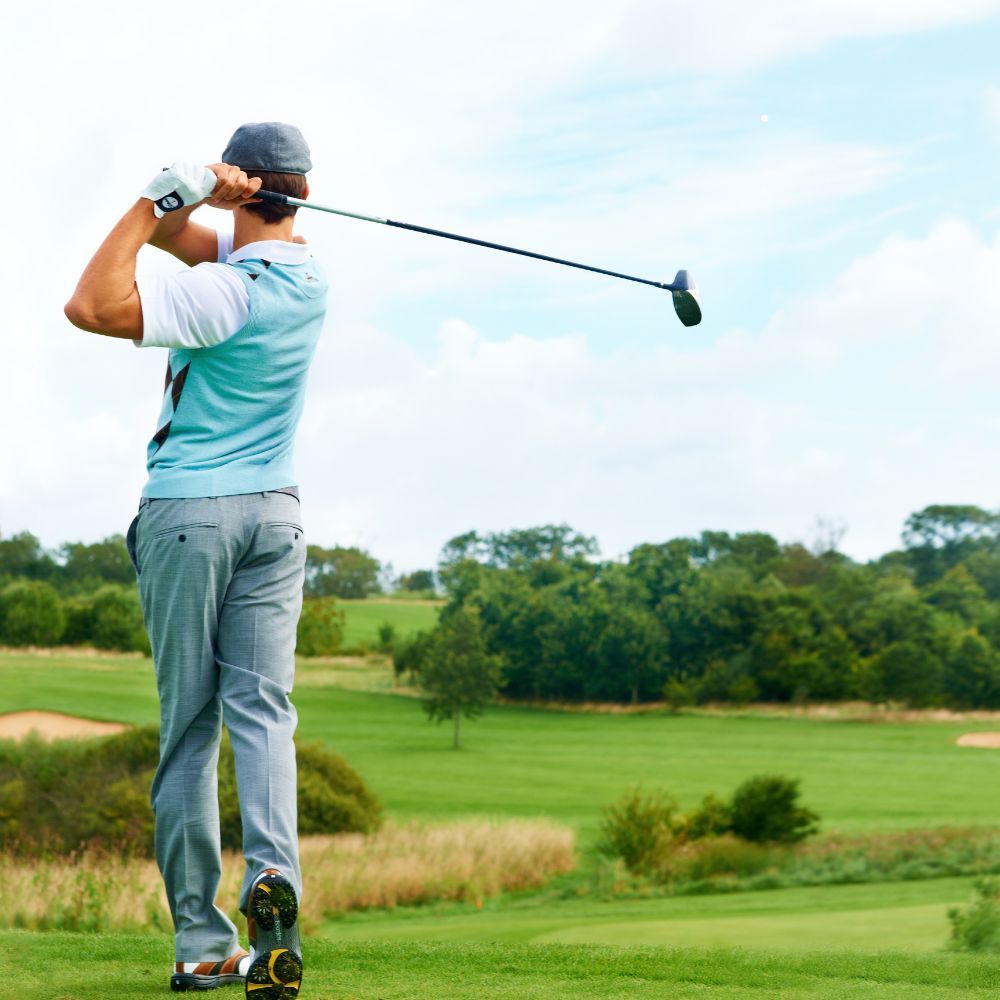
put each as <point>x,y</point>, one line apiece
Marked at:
<point>305,191</point>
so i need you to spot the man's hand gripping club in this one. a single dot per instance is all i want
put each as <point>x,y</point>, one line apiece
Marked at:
<point>189,184</point>
<point>106,300</point>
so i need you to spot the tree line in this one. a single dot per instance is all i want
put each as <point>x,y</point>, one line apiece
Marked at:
<point>85,594</point>
<point>538,612</point>
<point>731,617</point>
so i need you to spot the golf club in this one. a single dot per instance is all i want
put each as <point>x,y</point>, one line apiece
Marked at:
<point>683,288</point>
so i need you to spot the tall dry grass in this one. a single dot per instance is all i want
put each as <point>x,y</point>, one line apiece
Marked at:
<point>400,865</point>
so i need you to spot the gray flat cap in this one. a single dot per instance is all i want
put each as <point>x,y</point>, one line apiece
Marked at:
<point>271,146</point>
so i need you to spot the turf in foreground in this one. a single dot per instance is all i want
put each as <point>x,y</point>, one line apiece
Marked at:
<point>73,967</point>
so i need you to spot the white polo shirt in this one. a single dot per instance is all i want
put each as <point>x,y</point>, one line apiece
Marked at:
<point>206,304</point>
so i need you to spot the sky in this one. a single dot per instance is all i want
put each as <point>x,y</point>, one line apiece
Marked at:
<point>826,171</point>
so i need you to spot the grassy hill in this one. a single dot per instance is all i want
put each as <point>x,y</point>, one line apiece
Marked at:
<point>363,618</point>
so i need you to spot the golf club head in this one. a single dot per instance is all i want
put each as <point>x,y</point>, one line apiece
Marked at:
<point>685,294</point>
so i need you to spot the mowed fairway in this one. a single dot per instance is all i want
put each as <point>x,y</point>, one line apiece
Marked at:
<point>897,916</point>
<point>525,762</point>
<point>362,619</point>
<point>77,967</point>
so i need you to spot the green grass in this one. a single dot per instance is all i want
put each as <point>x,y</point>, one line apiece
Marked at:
<point>900,916</point>
<point>72,967</point>
<point>529,762</point>
<point>823,942</point>
<point>363,618</point>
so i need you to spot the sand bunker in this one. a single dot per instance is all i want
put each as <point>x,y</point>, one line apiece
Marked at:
<point>989,740</point>
<point>53,725</point>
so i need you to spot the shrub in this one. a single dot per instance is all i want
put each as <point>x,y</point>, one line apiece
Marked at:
<point>742,691</point>
<point>321,627</point>
<point>977,927</point>
<point>678,694</point>
<point>408,654</point>
<point>765,809</point>
<point>79,612</point>
<point>386,637</point>
<point>638,829</point>
<point>117,619</point>
<point>711,819</point>
<point>73,794</point>
<point>719,856</point>
<point>30,614</point>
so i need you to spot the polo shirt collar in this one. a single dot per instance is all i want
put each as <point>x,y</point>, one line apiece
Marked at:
<point>276,251</point>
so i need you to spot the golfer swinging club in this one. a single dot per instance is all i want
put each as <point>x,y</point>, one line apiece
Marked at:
<point>218,545</point>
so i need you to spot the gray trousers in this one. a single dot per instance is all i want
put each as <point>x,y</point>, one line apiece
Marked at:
<point>220,580</point>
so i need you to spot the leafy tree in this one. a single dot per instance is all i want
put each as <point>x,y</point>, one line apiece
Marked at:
<point>631,651</point>
<point>659,571</point>
<point>340,572</point>
<point>30,614</point>
<point>942,535</point>
<point>418,580</point>
<point>972,674</point>
<point>22,555</point>
<point>458,676</point>
<point>321,627</point>
<point>754,551</point>
<point>958,593</point>
<point>106,561</point>
<point>984,566</point>
<point>409,654</point>
<point>798,653</point>
<point>908,671</point>
<point>116,621</point>
<point>557,543</point>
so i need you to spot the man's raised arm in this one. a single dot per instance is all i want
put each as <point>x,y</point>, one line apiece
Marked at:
<point>106,300</point>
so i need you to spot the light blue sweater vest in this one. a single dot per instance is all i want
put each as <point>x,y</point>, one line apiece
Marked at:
<point>230,411</point>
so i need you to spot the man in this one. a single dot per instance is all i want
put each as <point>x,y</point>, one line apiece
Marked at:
<point>217,545</point>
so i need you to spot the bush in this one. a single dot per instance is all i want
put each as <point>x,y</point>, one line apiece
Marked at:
<point>79,612</point>
<point>711,819</point>
<point>386,637</point>
<point>321,628</point>
<point>678,694</point>
<point>638,829</point>
<point>74,794</point>
<point>117,619</point>
<point>765,810</point>
<point>719,856</point>
<point>30,614</point>
<point>977,927</point>
<point>408,654</point>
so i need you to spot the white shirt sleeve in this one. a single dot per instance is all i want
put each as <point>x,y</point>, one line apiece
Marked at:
<point>200,307</point>
<point>225,242</point>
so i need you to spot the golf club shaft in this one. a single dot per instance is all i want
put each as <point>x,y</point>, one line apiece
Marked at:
<point>282,199</point>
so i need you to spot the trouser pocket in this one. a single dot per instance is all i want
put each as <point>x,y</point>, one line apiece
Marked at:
<point>130,543</point>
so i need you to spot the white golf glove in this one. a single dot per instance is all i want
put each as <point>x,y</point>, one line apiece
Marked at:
<point>179,185</point>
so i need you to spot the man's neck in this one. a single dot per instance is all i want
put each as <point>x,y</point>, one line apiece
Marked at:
<point>249,228</point>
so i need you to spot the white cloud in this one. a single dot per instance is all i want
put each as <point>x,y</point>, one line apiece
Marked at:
<point>723,36</point>
<point>860,402</point>
<point>431,113</point>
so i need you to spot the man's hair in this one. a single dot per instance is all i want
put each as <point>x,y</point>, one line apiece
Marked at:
<point>290,184</point>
